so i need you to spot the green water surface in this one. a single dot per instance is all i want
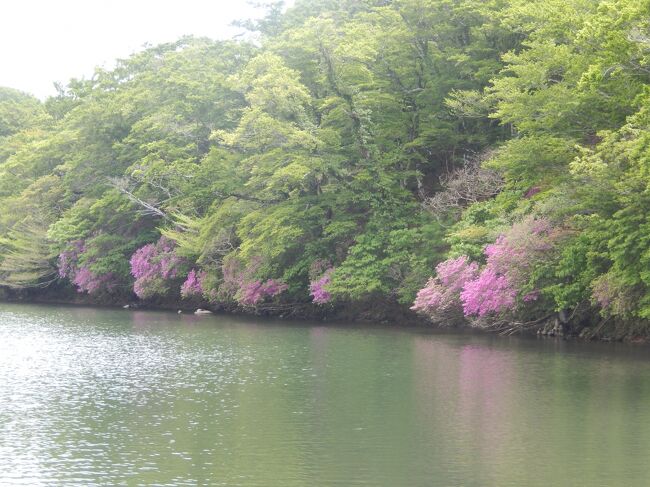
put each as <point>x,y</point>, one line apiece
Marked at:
<point>118,397</point>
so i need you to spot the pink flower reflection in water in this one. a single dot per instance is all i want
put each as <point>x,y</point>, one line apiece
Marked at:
<point>469,396</point>
<point>485,398</point>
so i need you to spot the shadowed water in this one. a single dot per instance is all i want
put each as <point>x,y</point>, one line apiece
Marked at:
<point>116,397</point>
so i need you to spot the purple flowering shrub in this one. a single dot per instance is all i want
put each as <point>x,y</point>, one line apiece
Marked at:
<point>72,266</point>
<point>252,293</point>
<point>68,263</point>
<point>613,296</point>
<point>240,283</point>
<point>235,274</point>
<point>490,292</point>
<point>153,266</point>
<point>89,282</point>
<point>497,287</point>
<point>318,287</point>
<point>193,285</point>
<point>440,298</point>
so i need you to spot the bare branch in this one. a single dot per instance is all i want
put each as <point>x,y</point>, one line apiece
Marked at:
<point>463,187</point>
<point>245,197</point>
<point>122,185</point>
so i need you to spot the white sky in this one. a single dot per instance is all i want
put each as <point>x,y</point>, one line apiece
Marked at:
<point>43,41</point>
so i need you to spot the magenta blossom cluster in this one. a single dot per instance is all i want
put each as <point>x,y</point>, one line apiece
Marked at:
<point>496,288</point>
<point>85,280</point>
<point>152,265</point>
<point>318,287</point>
<point>193,285</point>
<point>490,292</point>
<point>239,283</point>
<point>509,261</point>
<point>254,292</point>
<point>235,276</point>
<point>68,263</point>
<point>440,298</point>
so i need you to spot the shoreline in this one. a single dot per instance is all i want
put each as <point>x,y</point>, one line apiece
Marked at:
<point>353,314</point>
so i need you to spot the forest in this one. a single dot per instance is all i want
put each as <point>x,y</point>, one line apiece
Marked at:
<point>478,162</point>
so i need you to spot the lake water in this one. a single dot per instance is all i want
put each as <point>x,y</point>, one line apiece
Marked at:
<point>119,397</point>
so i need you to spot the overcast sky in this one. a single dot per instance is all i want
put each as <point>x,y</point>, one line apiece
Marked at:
<point>43,41</point>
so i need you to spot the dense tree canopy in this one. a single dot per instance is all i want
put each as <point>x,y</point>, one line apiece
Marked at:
<point>347,154</point>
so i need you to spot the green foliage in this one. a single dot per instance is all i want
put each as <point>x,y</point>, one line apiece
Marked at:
<point>582,257</point>
<point>26,256</point>
<point>320,144</point>
<point>19,111</point>
<point>533,161</point>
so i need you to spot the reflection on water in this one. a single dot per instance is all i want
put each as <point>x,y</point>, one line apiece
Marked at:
<point>106,397</point>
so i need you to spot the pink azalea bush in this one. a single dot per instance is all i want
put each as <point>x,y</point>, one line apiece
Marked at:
<point>152,266</point>
<point>89,282</point>
<point>193,285</point>
<point>613,295</point>
<point>236,275</point>
<point>254,292</point>
<point>490,292</point>
<point>509,261</point>
<point>520,246</point>
<point>83,278</point>
<point>241,285</point>
<point>318,287</point>
<point>68,263</point>
<point>440,298</point>
<point>501,281</point>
